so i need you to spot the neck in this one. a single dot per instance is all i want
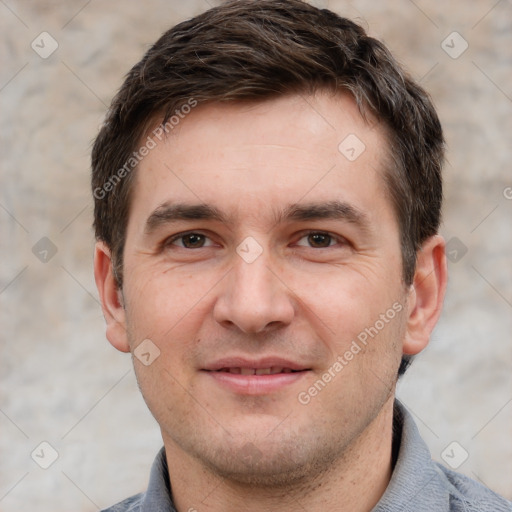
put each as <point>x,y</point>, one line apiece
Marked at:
<point>355,482</point>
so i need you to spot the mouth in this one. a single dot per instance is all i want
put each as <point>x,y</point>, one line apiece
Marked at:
<point>262,377</point>
<point>272,370</point>
<point>269,365</point>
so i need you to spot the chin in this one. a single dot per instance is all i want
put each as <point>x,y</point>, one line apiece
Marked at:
<point>271,463</point>
<point>250,466</point>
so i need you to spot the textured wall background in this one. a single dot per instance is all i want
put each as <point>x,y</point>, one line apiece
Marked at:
<point>62,383</point>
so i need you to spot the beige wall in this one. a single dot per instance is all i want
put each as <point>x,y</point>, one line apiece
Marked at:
<point>61,381</point>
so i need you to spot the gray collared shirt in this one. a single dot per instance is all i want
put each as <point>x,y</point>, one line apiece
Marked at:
<point>418,484</point>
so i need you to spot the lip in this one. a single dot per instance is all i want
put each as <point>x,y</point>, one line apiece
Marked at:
<point>266,362</point>
<point>255,384</point>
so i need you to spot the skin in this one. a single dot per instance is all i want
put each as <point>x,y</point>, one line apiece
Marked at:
<point>304,298</point>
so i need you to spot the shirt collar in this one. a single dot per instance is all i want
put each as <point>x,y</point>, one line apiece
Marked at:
<point>157,498</point>
<point>416,482</point>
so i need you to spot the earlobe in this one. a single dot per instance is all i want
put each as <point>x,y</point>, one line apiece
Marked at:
<point>426,295</point>
<point>111,298</point>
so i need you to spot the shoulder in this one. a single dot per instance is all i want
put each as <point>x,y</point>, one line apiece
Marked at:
<point>420,484</point>
<point>469,495</point>
<point>131,504</point>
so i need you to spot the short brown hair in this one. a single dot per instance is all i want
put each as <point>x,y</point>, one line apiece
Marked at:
<point>256,50</point>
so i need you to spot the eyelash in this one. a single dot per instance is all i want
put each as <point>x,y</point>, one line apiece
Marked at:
<point>338,239</point>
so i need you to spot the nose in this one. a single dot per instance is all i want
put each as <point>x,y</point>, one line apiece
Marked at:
<point>253,298</point>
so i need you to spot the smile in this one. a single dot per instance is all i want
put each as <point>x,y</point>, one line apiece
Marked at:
<point>255,381</point>
<point>273,370</point>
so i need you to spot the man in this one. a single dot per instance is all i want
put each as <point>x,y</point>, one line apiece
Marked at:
<point>267,198</point>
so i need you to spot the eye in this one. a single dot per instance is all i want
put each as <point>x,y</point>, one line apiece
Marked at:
<point>318,240</point>
<point>189,240</point>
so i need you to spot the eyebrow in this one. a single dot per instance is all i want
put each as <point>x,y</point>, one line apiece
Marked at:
<point>169,212</point>
<point>335,210</point>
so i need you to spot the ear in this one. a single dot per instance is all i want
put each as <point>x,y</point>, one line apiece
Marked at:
<point>426,294</point>
<point>111,298</point>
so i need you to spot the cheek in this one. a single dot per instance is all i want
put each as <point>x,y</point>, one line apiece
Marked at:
<point>162,387</point>
<point>365,360</point>
<point>363,322</point>
<point>160,302</point>
<point>346,299</point>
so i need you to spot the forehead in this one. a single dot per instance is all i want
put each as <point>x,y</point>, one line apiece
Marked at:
<point>323,119</point>
<point>244,155</point>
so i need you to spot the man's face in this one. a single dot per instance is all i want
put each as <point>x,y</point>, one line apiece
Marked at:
<point>296,255</point>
